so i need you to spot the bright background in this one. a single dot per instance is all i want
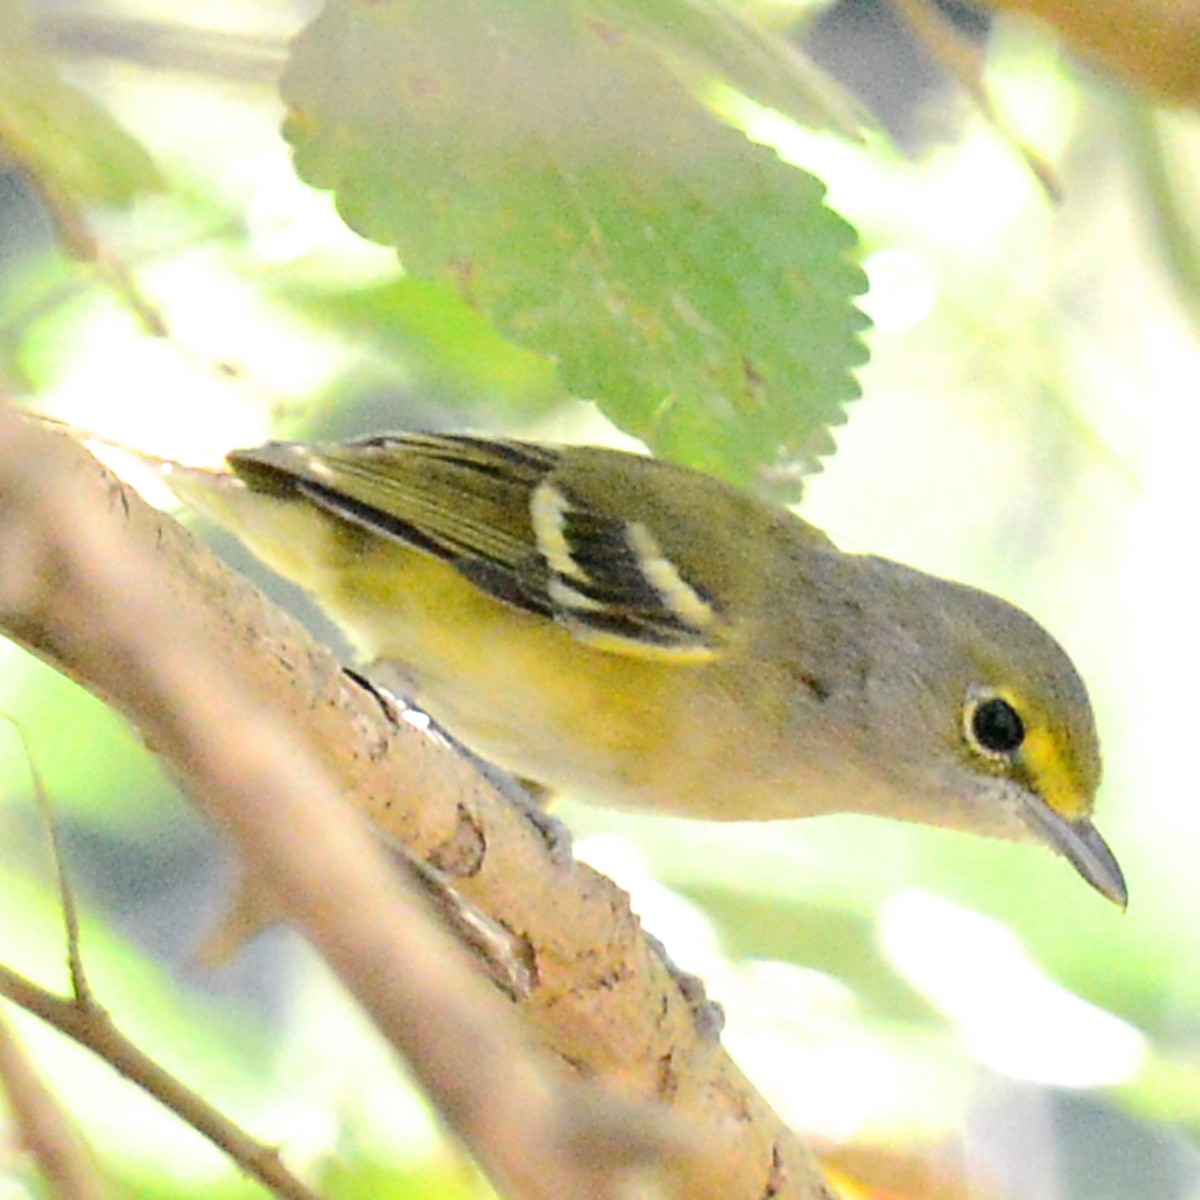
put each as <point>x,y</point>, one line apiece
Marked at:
<point>1029,425</point>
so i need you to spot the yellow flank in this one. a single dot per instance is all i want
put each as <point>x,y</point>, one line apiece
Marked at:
<point>620,726</point>
<point>465,650</point>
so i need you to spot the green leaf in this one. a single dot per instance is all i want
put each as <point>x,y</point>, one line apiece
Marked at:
<point>539,159</point>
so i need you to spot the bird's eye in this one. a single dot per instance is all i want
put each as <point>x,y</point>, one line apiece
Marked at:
<point>993,726</point>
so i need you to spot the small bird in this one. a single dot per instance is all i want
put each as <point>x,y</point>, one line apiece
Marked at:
<point>642,635</point>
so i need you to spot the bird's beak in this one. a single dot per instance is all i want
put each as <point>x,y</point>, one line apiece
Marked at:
<point>1082,846</point>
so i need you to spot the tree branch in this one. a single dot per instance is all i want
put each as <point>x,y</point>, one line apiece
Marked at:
<point>227,688</point>
<point>88,1024</point>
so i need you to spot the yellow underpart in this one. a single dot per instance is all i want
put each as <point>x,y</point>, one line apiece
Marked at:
<point>466,648</point>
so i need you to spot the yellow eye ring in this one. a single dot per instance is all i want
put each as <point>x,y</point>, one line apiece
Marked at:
<point>992,726</point>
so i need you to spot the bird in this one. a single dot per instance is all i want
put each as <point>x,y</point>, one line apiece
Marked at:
<point>642,635</point>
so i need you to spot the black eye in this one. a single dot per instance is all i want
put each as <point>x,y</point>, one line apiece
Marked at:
<point>996,726</point>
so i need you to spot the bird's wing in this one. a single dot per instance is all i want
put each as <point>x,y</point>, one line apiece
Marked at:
<point>510,518</point>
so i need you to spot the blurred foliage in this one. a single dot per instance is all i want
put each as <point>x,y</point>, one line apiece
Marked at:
<point>61,135</point>
<point>351,1178</point>
<point>1029,427</point>
<point>452,354</point>
<point>704,40</point>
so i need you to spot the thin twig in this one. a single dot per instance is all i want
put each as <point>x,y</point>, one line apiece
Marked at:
<point>168,45</point>
<point>79,984</point>
<point>80,240</point>
<point>964,63</point>
<point>90,1026</point>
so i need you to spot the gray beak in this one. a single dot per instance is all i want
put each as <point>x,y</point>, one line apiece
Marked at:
<point>1080,843</point>
<point>1082,846</point>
